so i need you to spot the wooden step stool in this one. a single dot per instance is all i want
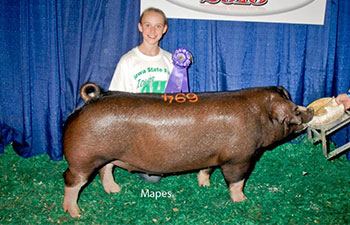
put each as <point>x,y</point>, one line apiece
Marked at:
<point>320,133</point>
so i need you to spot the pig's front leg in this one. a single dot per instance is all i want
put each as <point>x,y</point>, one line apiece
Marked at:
<point>203,177</point>
<point>236,191</point>
<point>235,176</point>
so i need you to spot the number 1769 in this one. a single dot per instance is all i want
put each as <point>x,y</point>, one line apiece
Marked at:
<point>180,97</point>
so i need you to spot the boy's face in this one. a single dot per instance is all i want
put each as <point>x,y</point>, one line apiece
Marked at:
<point>152,27</point>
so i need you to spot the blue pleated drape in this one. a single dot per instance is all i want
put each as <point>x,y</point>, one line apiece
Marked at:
<point>30,81</point>
<point>50,48</point>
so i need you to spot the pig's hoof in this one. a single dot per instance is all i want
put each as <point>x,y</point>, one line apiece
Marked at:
<point>204,183</point>
<point>239,198</point>
<point>73,210</point>
<point>111,187</point>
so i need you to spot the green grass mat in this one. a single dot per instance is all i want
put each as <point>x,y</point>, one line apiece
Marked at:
<point>293,184</point>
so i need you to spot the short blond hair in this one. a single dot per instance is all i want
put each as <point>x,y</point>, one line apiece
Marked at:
<point>156,10</point>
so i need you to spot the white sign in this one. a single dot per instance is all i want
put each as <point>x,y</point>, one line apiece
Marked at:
<point>276,11</point>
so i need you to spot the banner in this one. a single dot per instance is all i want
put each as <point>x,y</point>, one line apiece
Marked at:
<point>275,11</point>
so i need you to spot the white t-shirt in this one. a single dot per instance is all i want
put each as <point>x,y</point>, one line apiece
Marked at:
<point>139,73</point>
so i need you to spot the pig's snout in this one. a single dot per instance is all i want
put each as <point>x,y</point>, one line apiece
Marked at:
<point>306,114</point>
<point>309,115</point>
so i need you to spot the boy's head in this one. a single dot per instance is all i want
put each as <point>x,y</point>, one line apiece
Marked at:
<point>155,10</point>
<point>153,24</point>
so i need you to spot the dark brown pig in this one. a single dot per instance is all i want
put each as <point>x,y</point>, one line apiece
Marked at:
<point>165,134</point>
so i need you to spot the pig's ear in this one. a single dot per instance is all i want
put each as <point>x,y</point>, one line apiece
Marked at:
<point>285,113</point>
<point>285,94</point>
<point>277,112</point>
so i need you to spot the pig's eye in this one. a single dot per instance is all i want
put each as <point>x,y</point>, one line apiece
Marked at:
<point>297,112</point>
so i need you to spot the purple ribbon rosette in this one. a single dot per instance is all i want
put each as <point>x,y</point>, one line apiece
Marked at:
<point>178,81</point>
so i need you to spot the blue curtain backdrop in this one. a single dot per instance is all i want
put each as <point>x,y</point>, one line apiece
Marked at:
<point>50,48</point>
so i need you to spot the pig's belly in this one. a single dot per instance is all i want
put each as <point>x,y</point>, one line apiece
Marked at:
<point>175,151</point>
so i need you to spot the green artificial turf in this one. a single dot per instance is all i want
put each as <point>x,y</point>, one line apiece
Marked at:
<point>293,184</point>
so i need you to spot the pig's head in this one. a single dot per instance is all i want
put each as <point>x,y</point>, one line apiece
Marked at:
<point>286,113</point>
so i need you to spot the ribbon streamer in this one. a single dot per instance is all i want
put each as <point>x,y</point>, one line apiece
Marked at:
<point>178,81</point>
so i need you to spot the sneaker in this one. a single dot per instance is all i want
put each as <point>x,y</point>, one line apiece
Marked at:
<point>150,178</point>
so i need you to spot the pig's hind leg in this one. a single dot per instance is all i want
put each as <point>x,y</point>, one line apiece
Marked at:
<point>107,178</point>
<point>106,174</point>
<point>74,181</point>
<point>235,176</point>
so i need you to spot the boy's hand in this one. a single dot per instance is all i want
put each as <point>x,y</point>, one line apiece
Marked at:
<point>343,99</point>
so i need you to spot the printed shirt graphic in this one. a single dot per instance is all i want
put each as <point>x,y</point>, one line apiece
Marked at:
<point>140,73</point>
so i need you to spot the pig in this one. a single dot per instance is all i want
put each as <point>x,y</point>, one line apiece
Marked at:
<point>163,134</point>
